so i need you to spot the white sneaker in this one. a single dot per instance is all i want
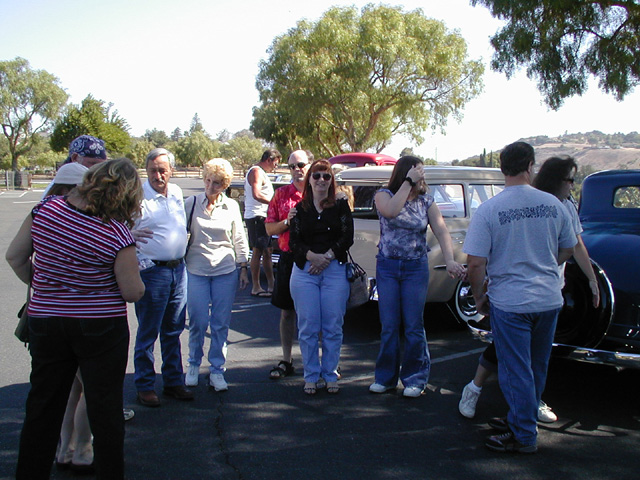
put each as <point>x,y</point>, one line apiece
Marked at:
<point>469,400</point>
<point>545,414</point>
<point>379,388</point>
<point>191,378</point>
<point>216,380</point>
<point>412,391</point>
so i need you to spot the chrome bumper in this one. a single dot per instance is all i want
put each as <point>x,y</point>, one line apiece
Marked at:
<point>580,354</point>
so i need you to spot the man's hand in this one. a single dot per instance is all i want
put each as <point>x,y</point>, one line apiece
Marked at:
<point>140,235</point>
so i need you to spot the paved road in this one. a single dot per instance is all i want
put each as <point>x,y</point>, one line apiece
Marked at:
<point>262,429</point>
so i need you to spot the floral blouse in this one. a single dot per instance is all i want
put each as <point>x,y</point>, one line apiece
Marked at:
<point>405,236</point>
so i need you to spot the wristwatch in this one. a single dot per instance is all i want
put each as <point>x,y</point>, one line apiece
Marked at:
<point>286,222</point>
<point>329,255</point>
<point>411,182</point>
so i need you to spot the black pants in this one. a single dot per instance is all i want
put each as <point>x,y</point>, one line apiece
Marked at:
<point>58,346</point>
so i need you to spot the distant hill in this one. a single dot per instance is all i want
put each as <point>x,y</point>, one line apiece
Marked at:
<point>593,151</point>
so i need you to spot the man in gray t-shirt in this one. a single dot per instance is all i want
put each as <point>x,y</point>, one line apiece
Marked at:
<point>517,239</point>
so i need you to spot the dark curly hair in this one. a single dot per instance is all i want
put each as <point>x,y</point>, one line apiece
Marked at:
<point>112,190</point>
<point>553,172</point>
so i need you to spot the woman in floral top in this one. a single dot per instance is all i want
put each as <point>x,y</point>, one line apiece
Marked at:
<point>402,273</point>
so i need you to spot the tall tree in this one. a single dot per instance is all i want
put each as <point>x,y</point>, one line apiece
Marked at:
<point>195,149</point>
<point>30,101</point>
<point>156,137</point>
<point>242,151</point>
<point>95,118</point>
<point>352,80</point>
<point>561,43</point>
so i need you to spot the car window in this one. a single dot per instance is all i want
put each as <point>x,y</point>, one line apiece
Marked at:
<point>449,198</point>
<point>627,197</point>
<point>363,204</point>
<point>481,193</point>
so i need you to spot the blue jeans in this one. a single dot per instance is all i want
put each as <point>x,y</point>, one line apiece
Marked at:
<point>210,304</point>
<point>161,311</point>
<point>402,293</point>
<point>58,347</point>
<point>320,302</point>
<point>523,343</point>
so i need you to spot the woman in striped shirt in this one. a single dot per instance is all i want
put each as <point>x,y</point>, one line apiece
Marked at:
<point>79,254</point>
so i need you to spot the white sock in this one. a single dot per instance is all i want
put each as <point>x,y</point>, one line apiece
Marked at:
<point>474,387</point>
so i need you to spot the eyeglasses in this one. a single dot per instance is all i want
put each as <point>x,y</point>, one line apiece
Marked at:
<point>325,176</point>
<point>299,165</point>
<point>570,180</point>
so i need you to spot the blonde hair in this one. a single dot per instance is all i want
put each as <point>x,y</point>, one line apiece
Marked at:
<point>112,190</point>
<point>218,167</point>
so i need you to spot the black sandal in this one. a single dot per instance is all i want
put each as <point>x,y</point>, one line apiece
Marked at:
<point>284,369</point>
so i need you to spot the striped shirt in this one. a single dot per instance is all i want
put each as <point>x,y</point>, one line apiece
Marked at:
<point>73,265</point>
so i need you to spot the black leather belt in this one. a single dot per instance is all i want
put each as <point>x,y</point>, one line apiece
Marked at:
<point>168,263</point>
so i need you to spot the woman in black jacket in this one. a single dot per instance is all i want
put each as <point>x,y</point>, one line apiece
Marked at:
<point>320,235</point>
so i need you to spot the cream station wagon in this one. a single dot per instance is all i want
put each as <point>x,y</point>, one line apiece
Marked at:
<point>458,191</point>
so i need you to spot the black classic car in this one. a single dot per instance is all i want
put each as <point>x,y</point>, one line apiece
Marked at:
<point>610,334</point>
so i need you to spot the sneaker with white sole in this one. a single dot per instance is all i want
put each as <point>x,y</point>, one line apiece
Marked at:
<point>412,391</point>
<point>545,414</point>
<point>191,378</point>
<point>469,400</point>
<point>217,381</point>
<point>506,442</point>
<point>379,388</point>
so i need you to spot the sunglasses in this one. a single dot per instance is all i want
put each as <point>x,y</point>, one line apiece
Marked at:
<point>299,165</point>
<point>325,176</point>
<point>570,180</point>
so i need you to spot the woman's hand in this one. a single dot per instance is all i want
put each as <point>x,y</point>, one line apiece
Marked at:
<point>416,173</point>
<point>595,291</point>
<point>318,262</point>
<point>292,213</point>
<point>456,270</point>
<point>243,280</point>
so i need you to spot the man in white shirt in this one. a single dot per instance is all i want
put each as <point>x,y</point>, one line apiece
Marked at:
<point>161,260</point>
<point>258,191</point>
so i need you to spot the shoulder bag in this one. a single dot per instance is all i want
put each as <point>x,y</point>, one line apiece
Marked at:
<point>358,284</point>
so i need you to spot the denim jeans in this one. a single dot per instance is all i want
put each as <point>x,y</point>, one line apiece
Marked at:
<point>210,304</point>
<point>161,311</point>
<point>523,343</point>
<point>58,346</point>
<point>320,302</point>
<point>402,293</point>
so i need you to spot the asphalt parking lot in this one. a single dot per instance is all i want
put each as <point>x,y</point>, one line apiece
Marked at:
<point>263,429</point>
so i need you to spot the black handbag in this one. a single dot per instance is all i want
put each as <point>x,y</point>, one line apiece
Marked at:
<point>358,284</point>
<point>22,329</point>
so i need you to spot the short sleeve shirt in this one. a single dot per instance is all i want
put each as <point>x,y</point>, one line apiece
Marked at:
<point>283,200</point>
<point>73,265</point>
<point>405,236</point>
<point>519,232</point>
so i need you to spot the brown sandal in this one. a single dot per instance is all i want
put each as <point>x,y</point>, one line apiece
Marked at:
<point>310,388</point>
<point>332,387</point>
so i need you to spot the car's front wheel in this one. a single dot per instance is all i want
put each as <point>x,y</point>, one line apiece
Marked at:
<point>463,305</point>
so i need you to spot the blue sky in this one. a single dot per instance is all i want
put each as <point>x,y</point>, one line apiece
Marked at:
<point>161,61</point>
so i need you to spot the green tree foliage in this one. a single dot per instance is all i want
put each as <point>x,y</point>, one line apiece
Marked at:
<point>30,101</point>
<point>242,151</point>
<point>562,42</point>
<point>157,137</point>
<point>95,118</point>
<point>139,150</point>
<point>176,135</point>
<point>195,149</point>
<point>351,80</point>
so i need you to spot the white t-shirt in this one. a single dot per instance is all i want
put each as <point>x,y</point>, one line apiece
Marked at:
<point>252,207</point>
<point>165,217</point>
<point>519,232</point>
